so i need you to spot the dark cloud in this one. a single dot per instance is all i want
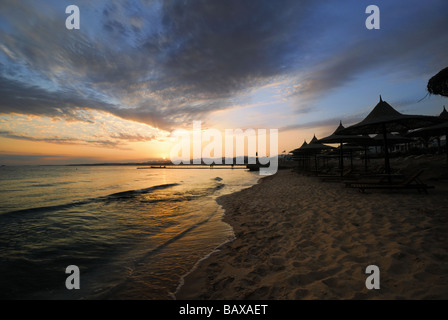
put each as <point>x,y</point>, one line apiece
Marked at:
<point>410,47</point>
<point>219,47</point>
<point>331,123</point>
<point>166,63</point>
<point>70,141</point>
<point>205,52</point>
<point>23,98</point>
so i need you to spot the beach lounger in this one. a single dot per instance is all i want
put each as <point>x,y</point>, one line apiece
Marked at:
<point>329,178</point>
<point>324,171</point>
<point>412,182</point>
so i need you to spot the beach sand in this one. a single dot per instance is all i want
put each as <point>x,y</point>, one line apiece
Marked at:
<point>300,238</point>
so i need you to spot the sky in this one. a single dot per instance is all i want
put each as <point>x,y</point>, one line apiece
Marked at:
<point>117,88</point>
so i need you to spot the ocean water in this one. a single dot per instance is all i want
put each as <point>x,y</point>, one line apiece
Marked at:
<point>133,233</point>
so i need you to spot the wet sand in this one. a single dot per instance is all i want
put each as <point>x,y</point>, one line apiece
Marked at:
<point>300,238</point>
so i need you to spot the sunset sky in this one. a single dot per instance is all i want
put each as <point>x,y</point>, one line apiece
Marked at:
<point>114,90</point>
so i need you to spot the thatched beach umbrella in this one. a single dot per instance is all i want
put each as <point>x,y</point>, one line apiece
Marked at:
<point>438,84</point>
<point>315,146</point>
<point>299,154</point>
<point>431,131</point>
<point>384,119</point>
<point>444,114</point>
<point>427,133</point>
<point>338,137</point>
<point>313,149</point>
<point>350,148</point>
<point>436,130</point>
<point>392,139</point>
<point>298,151</point>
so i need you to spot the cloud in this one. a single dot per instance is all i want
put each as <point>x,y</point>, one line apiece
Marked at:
<point>23,98</point>
<point>200,56</point>
<point>331,123</point>
<point>69,141</point>
<point>221,47</point>
<point>33,159</point>
<point>405,49</point>
<point>166,63</point>
<point>132,137</point>
<point>14,158</point>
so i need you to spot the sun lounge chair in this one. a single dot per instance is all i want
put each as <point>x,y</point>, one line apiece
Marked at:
<point>336,177</point>
<point>324,171</point>
<point>412,182</point>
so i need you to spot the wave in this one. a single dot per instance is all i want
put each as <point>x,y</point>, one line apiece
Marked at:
<point>47,208</point>
<point>133,193</point>
<point>187,196</point>
<point>143,259</point>
<point>114,196</point>
<point>195,266</point>
<point>54,184</point>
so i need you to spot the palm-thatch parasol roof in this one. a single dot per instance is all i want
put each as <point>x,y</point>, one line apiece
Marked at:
<point>437,130</point>
<point>444,114</point>
<point>303,144</point>
<point>438,84</point>
<point>338,137</point>
<point>315,146</point>
<point>351,147</point>
<point>384,119</point>
<point>434,130</point>
<point>378,140</point>
<point>300,149</point>
<point>298,152</point>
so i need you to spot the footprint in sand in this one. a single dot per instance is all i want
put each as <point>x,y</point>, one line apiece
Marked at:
<point>258,294</point>
<point>277,263</point>
<point>260,271</point>
<point>301,294</point>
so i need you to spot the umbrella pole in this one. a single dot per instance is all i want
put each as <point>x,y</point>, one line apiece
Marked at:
<point>365,159</point>
<point>386,154</point>
<point>342,160</point>
<point>351,160</point>
<point>446,144</point>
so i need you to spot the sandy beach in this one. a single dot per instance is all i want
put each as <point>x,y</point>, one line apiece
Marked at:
<point>300,238</point>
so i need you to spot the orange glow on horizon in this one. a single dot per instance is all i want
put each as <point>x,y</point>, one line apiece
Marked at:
<point>52,153</point>
<point>80,151</point>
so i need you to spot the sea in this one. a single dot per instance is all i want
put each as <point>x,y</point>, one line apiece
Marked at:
<point>133,233</point>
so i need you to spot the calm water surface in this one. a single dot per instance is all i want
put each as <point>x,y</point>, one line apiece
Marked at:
<point>132,233</point>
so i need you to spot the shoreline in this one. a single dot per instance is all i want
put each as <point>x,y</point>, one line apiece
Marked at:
<point>299,238</point>
<point>181,284</point>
